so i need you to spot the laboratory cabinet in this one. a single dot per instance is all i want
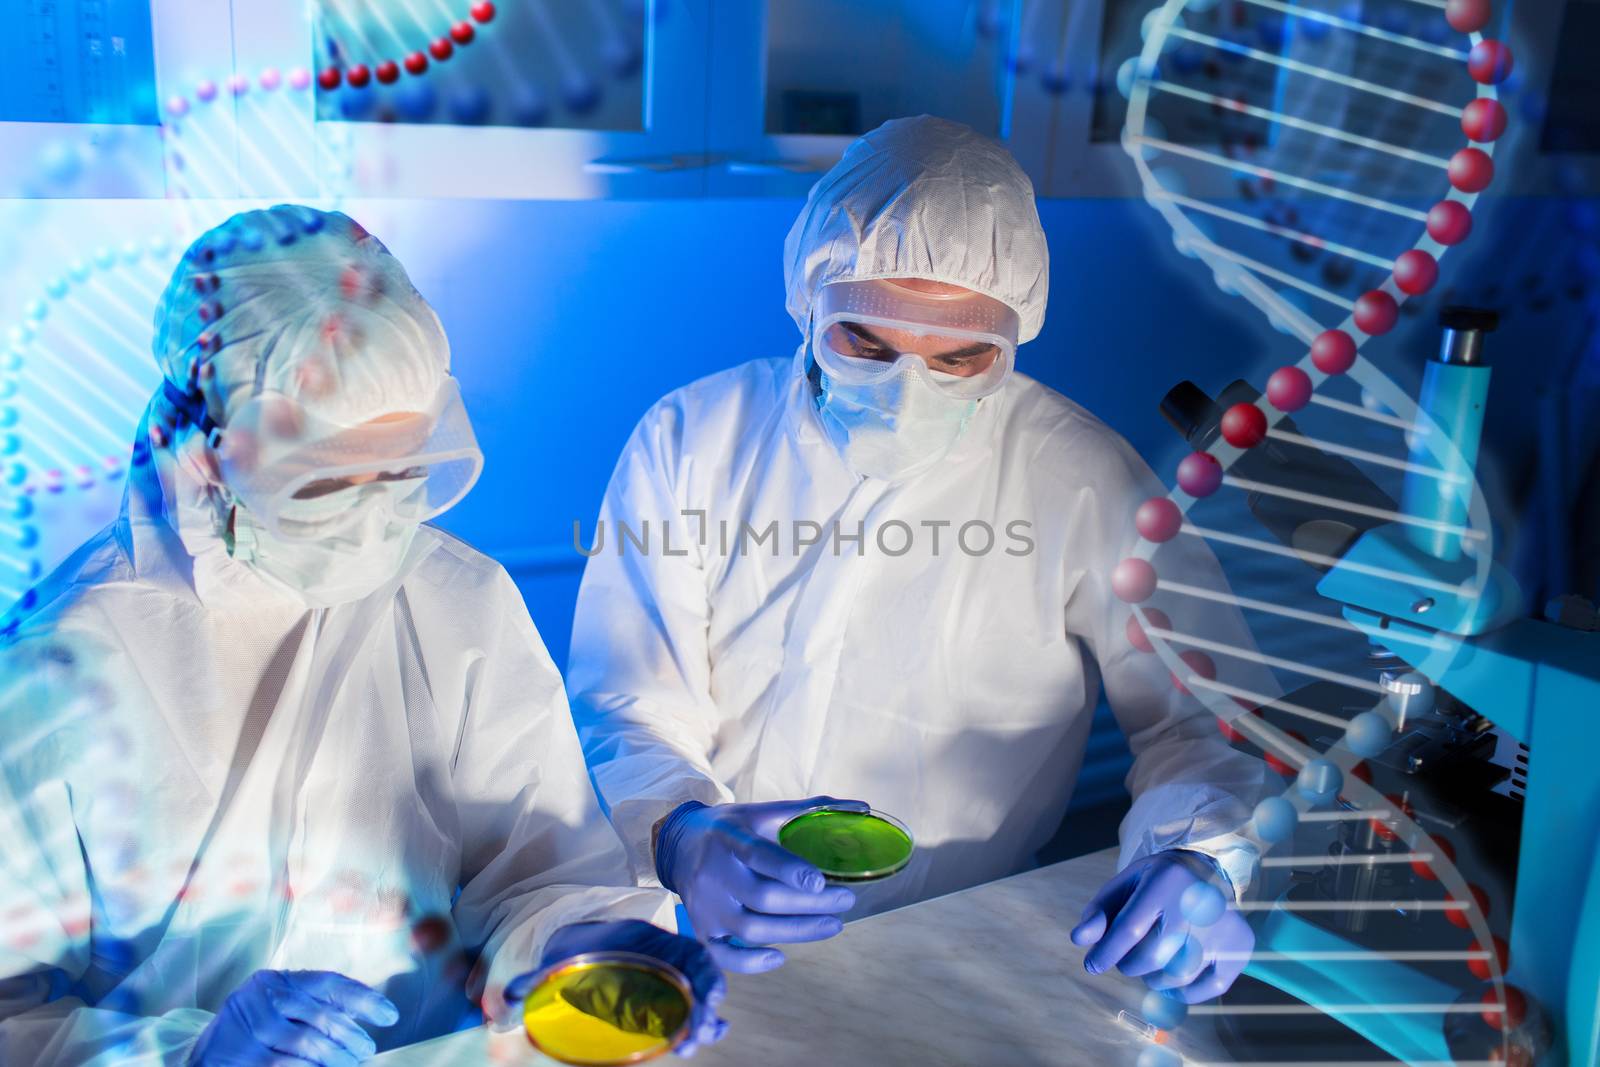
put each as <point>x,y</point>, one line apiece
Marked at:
<point>653,99</point>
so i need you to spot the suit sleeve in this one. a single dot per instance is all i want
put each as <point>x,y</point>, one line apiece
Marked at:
<point>640,667</point>
<point>50,958</point>
<point>1191,789</point>
<point>537,854</point>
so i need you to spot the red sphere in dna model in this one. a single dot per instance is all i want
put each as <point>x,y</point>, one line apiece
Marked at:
<point>1135,633</point>
<point>1504,1013</point>
<point>1376,312</point>
<point>1471,170</point>
<point>1199,666</point>
<point>1133,580</point>
<point>1158,519</point>
<point>1498,949</point>
<point>1489,62</point>
<point>1483,120</point>
<point>1244,426</point>
<point>1467,16</point>
<point>1199,474</point>
<point>1289,389</point>
<point>1333,352</point>
<point>1415,272</point>
<point>1449,222</point>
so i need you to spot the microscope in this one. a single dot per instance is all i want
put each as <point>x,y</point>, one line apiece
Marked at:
<point>1497,725</point>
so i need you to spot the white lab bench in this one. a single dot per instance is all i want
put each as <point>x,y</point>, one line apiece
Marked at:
<point>982,978</point>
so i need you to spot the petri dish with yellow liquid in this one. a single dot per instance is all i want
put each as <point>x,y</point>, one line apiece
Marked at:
<point>849,846</point>
<point>605,1009</point>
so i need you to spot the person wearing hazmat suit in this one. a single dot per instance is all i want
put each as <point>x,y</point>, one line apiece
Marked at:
<point>289,776</point>
<point>881,570</point>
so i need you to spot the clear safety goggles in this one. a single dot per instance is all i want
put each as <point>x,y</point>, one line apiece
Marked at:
<point>277,458</point>
<point>870,332</point>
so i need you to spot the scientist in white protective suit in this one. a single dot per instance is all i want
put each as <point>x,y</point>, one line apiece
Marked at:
<point>880,570</point>
<point>289,776</point>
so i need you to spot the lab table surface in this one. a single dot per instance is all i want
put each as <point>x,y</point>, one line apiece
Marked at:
<point>986,977</point>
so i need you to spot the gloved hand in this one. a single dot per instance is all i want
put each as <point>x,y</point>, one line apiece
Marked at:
<point>632,935</point>
<point>1164,918</point>
<point>298,1017</point>
<point>737,883</point>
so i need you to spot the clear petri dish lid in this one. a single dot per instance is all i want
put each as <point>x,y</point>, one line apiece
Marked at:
<point>849,846</point>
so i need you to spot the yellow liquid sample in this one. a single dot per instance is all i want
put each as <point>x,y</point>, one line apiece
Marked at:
<point>597,1014</point>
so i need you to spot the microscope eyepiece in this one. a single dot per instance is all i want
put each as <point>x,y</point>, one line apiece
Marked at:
<point>1464,328</point>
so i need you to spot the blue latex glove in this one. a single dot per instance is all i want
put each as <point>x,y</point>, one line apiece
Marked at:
<point>1164,918</point>
<point>633,935</point>
<point>740,888</point>
<point>294,1017</point>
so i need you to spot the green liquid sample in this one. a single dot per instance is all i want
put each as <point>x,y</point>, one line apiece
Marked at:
<point>848,846</point>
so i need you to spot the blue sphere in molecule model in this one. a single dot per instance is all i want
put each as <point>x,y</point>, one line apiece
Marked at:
<point>1163,1010</point>
<point>1312,29</point>
<point>1275,819</point>
<point>1187,59</point>
<point>581,94</point>
<point>1273,32</point>
<point>990,22</point>
<point>1368,734</point>
<point>1202,904</point>
<point>1319,780</point>
<point>61,163</point>
<point>356,103</point>
<point>416,100</point>
<point>622,55</point>
<point>1156,1056</point>
<point>529,106</point>
<point>1395,21</point>
<point>1019,60</point>
<point>470,105</point>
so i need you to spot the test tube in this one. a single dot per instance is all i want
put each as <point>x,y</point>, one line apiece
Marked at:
<point>1149,1031</point>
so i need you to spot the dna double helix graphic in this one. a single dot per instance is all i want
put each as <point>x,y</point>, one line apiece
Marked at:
<point>1320,161</point>
<point>379,31</point>
<point>502,77</point>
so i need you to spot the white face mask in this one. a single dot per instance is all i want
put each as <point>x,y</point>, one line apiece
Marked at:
<point>345,544</point>
<point>894,429</point>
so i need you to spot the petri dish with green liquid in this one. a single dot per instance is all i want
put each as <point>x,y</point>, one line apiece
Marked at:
<point>607,1009</point>
<point>849,846</point>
